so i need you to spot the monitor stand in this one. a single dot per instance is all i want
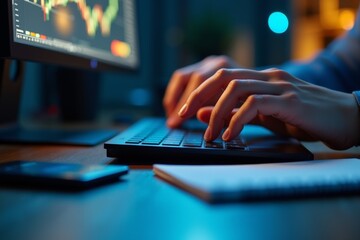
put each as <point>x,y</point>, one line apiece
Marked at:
<point>11,131</point>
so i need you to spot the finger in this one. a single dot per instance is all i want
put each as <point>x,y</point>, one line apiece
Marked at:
<point>174,120</point>
<point>215,84</point>
<point>268,122</point>
<point>181,78</point>
<point>281,128</point>
<point>271,123</point>
<point>237,90</point>
<point>176,87</point>
<point>268,105</point>
<point>207,68</point>
<point>204,114</point>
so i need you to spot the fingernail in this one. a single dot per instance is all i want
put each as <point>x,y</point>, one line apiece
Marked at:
<point>183,110</point>
<point>207,134</point>
<point>226,135</point>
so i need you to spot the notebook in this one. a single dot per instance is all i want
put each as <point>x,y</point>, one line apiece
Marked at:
<point>149,141</point>
<point>227,183</point>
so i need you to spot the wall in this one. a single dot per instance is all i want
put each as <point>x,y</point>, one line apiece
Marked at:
<point>167,30</point>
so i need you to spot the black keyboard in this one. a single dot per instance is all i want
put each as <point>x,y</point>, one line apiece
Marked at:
<point>149,141</point>
<point>161,135</point>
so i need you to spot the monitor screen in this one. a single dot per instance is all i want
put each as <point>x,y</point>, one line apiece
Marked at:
<point>85,33</point>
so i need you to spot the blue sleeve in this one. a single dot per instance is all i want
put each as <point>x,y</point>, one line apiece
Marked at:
<point>336,67</point>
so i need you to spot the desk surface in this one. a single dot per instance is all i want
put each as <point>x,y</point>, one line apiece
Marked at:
<point>144,207</point>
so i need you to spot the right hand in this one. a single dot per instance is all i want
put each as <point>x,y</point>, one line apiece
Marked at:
<point>185,80</point>
<point>277,100</point>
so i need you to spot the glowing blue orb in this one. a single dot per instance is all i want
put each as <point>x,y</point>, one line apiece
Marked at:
<point>278,22</point>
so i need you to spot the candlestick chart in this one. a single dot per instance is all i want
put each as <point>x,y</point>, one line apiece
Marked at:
<point>94,16</point>
<point>93,27</point>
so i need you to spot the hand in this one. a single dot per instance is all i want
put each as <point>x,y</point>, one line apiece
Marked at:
<point>187,79</point>
<point>276,100</point>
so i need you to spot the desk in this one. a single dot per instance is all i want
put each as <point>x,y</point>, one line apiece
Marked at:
<point>144,207</point>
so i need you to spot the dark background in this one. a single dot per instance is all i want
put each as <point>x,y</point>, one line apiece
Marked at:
<point>174,33</point>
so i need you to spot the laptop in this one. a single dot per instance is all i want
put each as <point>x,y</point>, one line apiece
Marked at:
<point>149,141</point>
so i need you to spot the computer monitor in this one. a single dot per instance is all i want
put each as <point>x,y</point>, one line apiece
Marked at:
<point>89,34</point>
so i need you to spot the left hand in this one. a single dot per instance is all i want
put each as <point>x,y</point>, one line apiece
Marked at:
<point>278,101</point>
<point>185,80</point>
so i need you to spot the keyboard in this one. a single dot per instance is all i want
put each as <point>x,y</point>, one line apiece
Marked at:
<point>149,141</point>
<point>161,135</point>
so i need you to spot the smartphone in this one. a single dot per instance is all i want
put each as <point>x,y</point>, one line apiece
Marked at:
<point>67,175</point>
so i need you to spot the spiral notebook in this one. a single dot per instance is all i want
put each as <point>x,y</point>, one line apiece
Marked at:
<point>223,183</point>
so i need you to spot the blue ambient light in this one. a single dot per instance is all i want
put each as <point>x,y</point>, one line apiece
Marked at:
<point>278,22</point>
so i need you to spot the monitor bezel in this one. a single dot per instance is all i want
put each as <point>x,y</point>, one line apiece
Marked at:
<point>14,50</point>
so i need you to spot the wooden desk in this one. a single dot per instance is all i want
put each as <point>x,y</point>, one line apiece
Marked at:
<point>144,207</point>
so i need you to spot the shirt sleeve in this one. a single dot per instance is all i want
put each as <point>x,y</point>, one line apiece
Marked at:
<point>336,67</point>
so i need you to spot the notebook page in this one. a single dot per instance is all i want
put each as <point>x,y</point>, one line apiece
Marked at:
<point>232,182</point>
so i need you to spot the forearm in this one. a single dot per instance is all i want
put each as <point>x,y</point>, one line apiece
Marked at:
<point>337,67</point>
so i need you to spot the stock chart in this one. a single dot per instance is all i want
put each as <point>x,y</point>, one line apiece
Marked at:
<point>94,17</point>
<point>100,28</point>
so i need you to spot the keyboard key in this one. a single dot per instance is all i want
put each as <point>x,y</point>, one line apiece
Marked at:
<point>235,144</point>
<point>152,141</point>
<point>174,138</point>
<point>133,141</point>
<point>193,140</point>
<point>171,143</point>
<point>192,144</point>
<point>217,143</point>
<point>214,145</point>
